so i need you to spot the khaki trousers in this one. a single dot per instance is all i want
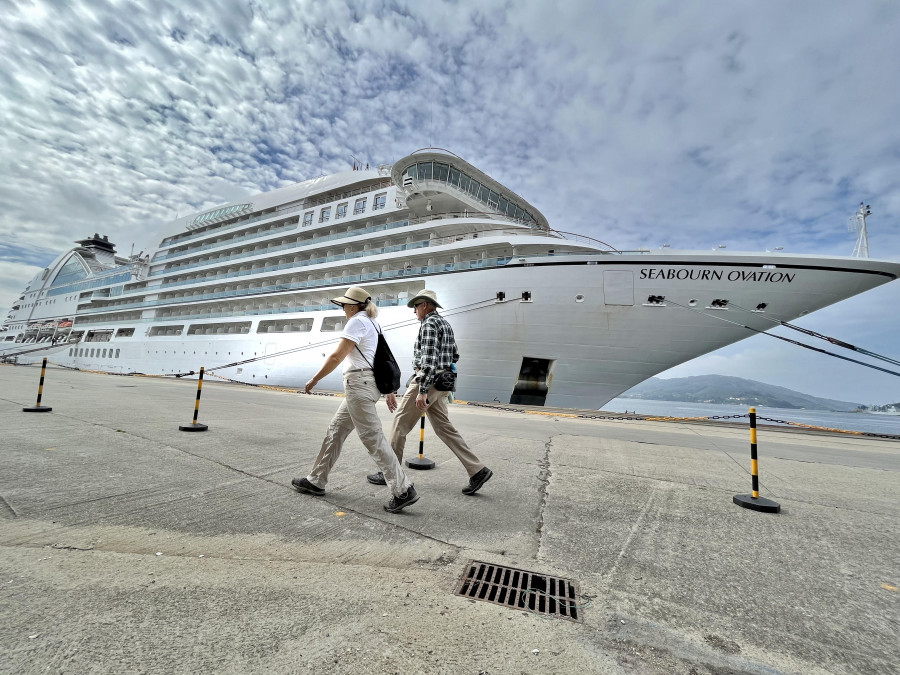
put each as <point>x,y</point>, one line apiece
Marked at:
<point>408,415</point>
<point>357,411</point>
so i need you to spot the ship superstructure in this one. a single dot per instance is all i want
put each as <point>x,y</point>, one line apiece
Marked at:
<point>541,316</point>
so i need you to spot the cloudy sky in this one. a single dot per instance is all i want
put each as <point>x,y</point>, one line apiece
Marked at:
<point>753,124</point>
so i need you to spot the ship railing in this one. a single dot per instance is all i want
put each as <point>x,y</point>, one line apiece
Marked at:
<point>340,235</point>
<point>303,206</point>
<point>441,241</point>
<point>369,230</point>
<point>178,239</point>
<point>292,245</point>
<point>236,240</point>
<point>298,264</point>
<point>300,285</point>
<point>584,239</point>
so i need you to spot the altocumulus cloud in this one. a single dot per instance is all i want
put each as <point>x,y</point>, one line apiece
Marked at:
<point>695,123</point>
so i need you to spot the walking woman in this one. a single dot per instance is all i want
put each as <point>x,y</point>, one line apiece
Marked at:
<point>357,411</point>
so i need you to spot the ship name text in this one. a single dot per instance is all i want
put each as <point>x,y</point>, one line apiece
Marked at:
<point>693,274</point>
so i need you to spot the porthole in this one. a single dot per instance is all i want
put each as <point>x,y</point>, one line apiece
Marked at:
<point>692,302</point>
<point>579,298</point>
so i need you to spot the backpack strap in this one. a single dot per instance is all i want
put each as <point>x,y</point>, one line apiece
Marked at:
<point>360,350</point>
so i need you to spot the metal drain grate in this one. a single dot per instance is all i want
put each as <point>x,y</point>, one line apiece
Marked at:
<point>521,589</point>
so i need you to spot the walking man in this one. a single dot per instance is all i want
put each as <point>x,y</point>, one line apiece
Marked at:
<point>434,353</point>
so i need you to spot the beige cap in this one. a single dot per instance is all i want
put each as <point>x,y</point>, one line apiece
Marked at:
<point>355,295</point>
<point>426,294</point>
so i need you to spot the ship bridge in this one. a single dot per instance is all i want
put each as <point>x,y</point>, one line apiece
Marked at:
<point>433,179</point>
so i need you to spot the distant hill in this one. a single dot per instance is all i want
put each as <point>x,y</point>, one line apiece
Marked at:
<point>731,390</point>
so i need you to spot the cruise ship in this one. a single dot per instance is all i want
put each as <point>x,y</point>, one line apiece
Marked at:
<point>542,316</point>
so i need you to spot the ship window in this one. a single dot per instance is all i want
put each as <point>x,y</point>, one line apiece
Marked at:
<point>333,323</point>
<point>325,214</point>
<point>307,219</point>
<point>474,187</point>
<point>117,353</point>
<point>104,353</point>
<point>379,202</point>
<point>454,176</point>
<point>503,204</point>
<point>157,331</point>
<point>285,326</point>
<point>464,181</point>
<point>359,206</point>
<point>493,199</point>
<point>420,170</point>
<point>441,171</point>
<point>485,194</point>
<point>341,210</point>
<point>73,270</point>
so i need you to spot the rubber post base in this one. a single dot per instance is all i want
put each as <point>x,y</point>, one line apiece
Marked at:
<point>37,408</point>
<point>193,427</point>
<point>757,504</point>
<point>420,463</point>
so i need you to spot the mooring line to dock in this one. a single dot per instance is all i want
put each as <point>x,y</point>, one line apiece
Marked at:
<point>796,342</point>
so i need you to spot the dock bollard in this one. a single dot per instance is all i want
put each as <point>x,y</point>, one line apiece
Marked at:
<point>195,426</point>
<point>754,501</point>
<point>37,407</point>
<point>421,462</point>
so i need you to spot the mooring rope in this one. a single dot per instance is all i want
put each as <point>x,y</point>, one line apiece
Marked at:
<point>780,337</point>
<point>821,336</point>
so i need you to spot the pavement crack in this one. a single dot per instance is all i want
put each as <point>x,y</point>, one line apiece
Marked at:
<point>544,477</point>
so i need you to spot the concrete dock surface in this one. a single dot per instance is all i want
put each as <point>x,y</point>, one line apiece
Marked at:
<point>129,546</point>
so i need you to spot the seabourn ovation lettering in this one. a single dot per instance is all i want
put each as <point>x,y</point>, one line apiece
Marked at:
<point>695,274</point>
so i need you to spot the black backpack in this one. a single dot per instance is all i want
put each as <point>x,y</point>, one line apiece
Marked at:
<point>385,368</point>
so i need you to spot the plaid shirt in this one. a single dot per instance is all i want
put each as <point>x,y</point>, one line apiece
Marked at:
<point>434,351</point>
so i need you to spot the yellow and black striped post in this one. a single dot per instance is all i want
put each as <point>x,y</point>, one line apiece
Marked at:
<point>37,407</point>
<point>421,462</point>
<point>754,501</point>
<point>195,426</point>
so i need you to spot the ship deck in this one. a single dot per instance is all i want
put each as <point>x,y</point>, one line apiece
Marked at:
<point>128,546</point>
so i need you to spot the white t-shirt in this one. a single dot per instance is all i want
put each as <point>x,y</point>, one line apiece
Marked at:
<point>360,329</point>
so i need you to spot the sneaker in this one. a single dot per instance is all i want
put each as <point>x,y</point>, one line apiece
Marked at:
<point>376,478</point>
<point>303,485</point>
<point>476,481</point>
<point>397,504</point>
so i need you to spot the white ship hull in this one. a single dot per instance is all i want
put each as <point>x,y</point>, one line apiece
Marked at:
<point>541,316</point>
<point>596,350</point>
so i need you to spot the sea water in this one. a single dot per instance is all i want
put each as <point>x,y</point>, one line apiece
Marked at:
<point>870,422</point>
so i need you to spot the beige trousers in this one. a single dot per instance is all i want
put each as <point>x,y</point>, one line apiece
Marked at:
<point>357,411</point>
<point>408,415</point>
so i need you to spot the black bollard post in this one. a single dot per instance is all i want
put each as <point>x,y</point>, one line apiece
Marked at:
<point>194,426</point>
<point>420,462</point>
<point>37,407</point>
<point>754,501</point>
